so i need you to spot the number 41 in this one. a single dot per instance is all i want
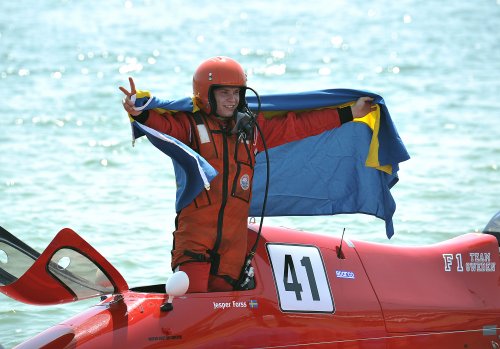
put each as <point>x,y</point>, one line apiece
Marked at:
<point>295,285</point>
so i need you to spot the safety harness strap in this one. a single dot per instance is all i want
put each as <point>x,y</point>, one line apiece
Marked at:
<point>197,257</point>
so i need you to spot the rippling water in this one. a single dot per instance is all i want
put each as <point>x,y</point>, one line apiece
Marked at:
<point>66,157</point>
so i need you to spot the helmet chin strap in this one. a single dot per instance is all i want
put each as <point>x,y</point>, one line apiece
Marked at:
<point>212,103</point>
<point>225,118</point>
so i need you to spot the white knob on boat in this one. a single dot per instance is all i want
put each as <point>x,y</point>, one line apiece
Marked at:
<point>177,284</point>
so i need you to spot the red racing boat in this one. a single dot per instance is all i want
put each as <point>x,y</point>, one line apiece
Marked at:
<point>308,291</point>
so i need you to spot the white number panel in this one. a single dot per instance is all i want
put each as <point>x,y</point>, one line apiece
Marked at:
<point>300,277</point>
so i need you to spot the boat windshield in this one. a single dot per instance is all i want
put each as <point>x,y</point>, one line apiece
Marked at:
<point>13,263</point>
<point>79,274</point>
<point>69,269</point>
<point>493,225</point>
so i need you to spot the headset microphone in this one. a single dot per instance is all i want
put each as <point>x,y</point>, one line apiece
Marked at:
<point>245,123</point>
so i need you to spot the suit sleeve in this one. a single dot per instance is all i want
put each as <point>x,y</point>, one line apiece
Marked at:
<point>293,126</point>
<point>176,125</point>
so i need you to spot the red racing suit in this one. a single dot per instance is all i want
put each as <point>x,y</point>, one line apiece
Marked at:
<point>213,228</point>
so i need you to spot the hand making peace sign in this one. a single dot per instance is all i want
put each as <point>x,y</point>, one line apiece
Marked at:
<point>127,102</point>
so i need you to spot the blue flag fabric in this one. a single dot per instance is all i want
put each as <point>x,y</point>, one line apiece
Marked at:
<point>192,172</point>
<point>320,175</point>
<point>324,175</point>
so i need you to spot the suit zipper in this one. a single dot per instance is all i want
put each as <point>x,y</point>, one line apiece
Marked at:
<point>225,181</point>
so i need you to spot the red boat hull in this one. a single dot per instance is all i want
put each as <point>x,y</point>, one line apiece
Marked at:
<point>372,296</point>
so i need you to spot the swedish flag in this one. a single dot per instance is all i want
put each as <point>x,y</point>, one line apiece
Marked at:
<point>350,169</point>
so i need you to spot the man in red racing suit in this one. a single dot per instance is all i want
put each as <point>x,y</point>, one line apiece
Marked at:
<point>210,240</point>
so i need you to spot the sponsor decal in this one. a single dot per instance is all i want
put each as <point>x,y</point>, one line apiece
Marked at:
<point>474,262</point>
<point>164,338</point>
<point>344,274</point>
<point>227,305</point>
<point>245,182</point>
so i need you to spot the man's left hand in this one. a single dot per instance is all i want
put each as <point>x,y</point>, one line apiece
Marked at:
<point>363,106</point>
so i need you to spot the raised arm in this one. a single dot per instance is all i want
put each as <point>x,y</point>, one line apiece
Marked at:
<point>177,125</point>
<point>295,126</point>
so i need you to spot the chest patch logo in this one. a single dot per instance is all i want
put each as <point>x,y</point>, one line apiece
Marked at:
<point>245,182</point>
